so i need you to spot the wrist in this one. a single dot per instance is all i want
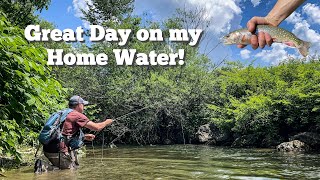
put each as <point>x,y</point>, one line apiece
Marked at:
<point>272,20</point>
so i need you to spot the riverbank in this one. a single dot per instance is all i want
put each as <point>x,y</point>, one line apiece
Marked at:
<point>27,158</point>
<point>210,134</point>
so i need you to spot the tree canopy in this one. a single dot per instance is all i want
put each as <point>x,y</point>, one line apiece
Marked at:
<point>22,12</point>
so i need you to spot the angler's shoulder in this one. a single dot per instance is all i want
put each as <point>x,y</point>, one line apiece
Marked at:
<point>75,115</point>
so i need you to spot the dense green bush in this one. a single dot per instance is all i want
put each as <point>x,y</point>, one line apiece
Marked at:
<point>268,102</point>
<point>28,93</point>
<point>22,12</point>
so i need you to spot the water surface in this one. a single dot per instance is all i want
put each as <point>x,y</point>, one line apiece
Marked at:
<point>184,162</point>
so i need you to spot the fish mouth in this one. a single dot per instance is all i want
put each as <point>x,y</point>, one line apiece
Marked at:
<point>226,41</point>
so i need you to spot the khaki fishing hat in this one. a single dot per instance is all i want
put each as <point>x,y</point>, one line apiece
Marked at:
<point>74,100</point>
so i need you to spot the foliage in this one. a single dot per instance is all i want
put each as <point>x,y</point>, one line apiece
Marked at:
<point>108,12</point>
<point>21,12</point>
<point>28,93</point>
<point>268,102</point>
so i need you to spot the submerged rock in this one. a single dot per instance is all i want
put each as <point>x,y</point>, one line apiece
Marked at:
<point>293,146</point>
<point>112,145</point>
<point>167,142</point>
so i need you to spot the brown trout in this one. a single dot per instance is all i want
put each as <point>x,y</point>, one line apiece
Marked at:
<point>278,35</point>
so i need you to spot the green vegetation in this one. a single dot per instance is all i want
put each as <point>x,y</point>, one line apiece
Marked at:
<point>263,104</point>
<point>28,92</point>
<point>269,103</point>
<point>21,12</point>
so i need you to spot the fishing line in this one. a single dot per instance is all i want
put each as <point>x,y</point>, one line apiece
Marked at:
<point>102,147</point>
<point>93,149</point>
<point>214,47</point>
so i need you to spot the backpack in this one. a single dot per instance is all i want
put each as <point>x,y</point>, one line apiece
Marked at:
<point>52,128</point>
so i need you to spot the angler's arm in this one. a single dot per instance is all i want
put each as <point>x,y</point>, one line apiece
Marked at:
<point>98,126</point>
<point>281,10</point>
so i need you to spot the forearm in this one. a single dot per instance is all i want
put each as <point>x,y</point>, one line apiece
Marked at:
<point>281,10</point>
<point>98,126</point>
<point>104,124</point>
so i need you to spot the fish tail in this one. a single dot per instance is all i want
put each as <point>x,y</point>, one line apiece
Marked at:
<point>304,48</point>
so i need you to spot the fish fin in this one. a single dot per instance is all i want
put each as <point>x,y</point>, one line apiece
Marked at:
<point>304,48</point>
<point>289,43</point>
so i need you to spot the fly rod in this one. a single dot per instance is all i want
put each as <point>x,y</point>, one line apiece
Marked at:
<point>125,115</point>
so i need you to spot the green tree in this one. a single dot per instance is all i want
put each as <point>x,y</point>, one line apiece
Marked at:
<point>28,92</point>
<point>108,12</point>
<point>21,12</point>
<point>268,104</point>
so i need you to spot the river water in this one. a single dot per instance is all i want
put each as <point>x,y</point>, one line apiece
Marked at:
<point>184,162</point>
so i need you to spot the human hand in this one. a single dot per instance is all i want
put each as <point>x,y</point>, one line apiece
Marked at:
<point>262,38</point>
<point>89,137</point>
<point>108,121</point>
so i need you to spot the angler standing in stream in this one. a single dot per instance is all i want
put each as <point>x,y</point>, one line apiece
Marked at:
<point>60,146</point>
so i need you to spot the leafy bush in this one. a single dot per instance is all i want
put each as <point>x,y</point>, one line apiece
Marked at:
<point>28,92</point>
<point>277,101</point>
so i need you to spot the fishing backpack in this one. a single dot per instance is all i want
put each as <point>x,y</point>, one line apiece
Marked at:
<point>52,128</point>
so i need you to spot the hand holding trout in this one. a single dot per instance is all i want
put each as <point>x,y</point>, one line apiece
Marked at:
<point>264,30</point>
<point>279,35</point>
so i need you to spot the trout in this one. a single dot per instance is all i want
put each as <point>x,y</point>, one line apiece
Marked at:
<point>278,35</point>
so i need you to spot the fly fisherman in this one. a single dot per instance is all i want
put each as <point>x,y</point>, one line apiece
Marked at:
<point>281,10</point>
<point>62,154</point>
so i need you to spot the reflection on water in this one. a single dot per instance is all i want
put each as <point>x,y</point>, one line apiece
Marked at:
<point>184,162</point>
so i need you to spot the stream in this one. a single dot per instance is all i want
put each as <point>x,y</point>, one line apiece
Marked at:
<point>183,162</point>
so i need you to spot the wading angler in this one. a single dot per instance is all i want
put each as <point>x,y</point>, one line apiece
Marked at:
<point>62,135</point>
